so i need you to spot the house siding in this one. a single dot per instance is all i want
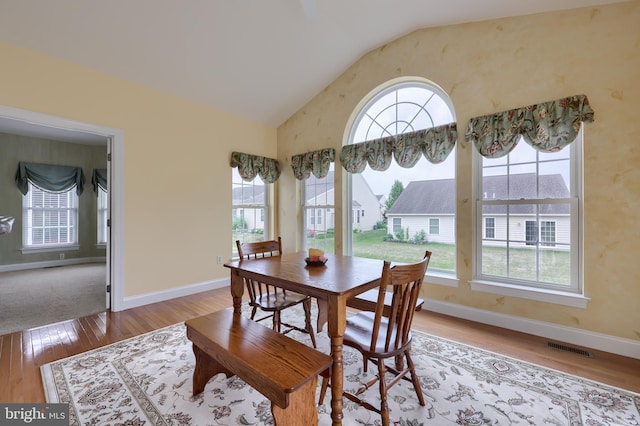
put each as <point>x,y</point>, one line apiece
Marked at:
<point>419,223</point>
<point>517,225</point>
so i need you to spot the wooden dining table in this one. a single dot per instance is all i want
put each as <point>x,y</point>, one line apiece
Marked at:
<point>332,284</point>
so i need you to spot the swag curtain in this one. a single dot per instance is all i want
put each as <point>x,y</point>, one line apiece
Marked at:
<point>547,127</point>
<point>249,166</point>
<point>49,177</point>
<point>435,144</point>
<point>316,162</point>
<point>99,179</point>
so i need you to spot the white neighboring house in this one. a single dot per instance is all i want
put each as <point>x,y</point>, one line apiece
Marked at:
<point>366,209</point>
<point>253,217</point>
<point>429,206</point>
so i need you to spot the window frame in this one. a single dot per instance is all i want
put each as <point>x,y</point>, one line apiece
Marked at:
<point>434,224</point>
<point>572,295</point>
<point>316,217</point>
<point>396,222</point>
<point>102,217</point>
<point>487,227</point>
<point>437,276</point>
<point>28,211</point>
<point>240,210</point>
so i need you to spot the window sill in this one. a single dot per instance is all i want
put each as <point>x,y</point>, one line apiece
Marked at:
<point>541,295</point>
<point>49,249</point>
<point>441,278</point>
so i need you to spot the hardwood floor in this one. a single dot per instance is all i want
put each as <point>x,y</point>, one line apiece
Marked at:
<point>22,353</point>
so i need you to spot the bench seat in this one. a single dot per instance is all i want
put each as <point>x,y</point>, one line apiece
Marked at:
<point>282,369</point>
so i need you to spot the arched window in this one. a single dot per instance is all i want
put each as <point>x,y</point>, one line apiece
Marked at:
<point>399,212</point>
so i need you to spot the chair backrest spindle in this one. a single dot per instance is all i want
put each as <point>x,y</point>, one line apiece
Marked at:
<point>406,282</point>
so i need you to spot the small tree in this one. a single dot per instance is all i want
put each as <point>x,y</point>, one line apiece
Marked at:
<point>396,190</point>
<point>239,223</point>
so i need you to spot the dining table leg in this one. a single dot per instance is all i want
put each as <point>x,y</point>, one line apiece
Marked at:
<point>322,314</point>
<point>337,315</point>
<point>237,290</point>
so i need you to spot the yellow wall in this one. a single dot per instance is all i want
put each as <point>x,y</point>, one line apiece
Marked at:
<point>177,179</point>
<point>496,65</point>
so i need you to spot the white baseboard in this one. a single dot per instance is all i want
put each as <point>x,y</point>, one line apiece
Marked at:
<point>51,263</point>
<point>161,296</point>
<point>559,333</point>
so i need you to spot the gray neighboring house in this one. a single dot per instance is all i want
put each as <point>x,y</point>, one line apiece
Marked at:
<point>429,206</point>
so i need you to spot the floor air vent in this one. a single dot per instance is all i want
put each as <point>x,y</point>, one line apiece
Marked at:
<point>566,348</point>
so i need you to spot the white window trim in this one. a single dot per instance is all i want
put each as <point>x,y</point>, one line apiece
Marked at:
<point>317,212</point>
<point>267,208</point>
<point>438,225</point>
<point>44,248</point>
<point>484,225</point>
<point>573,299</point>
<point>105,211</point>
<point>49,248</point>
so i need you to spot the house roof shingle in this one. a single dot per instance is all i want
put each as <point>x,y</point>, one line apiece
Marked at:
<point>438,196</point>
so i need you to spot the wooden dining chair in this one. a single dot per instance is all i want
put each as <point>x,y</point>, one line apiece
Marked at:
<point>270,299</point>
<point>379,338</point>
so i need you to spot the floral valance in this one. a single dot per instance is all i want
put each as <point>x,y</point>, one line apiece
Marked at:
<point>49,177</point>
<point>435,144</point>
<point>316,162</point>
<point>249,166</point>
<point>99,179</point>
<point>547,127</point>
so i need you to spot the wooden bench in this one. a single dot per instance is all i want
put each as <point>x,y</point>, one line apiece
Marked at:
<point>282,369</point>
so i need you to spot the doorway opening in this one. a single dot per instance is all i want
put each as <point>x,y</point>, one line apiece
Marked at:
<point>28,123</point>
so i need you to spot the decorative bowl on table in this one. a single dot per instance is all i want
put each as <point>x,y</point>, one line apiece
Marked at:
<point>314,262</point>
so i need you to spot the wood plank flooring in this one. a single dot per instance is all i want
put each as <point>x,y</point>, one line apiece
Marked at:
<point>22,353</point>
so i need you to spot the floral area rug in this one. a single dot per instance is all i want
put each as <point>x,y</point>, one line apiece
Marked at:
<point>146,380</point>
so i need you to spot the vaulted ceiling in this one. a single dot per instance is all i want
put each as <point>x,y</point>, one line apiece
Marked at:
<point>260,59</point>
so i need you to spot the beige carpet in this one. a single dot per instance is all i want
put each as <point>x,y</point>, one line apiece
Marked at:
<point>43,296</point>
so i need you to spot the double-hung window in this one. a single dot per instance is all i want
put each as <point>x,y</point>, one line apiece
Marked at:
<point>530,208</point>
<point>250,210</point>
<point>319,212</point>
<point>528,199</point>
<point>50,219</point>
<point>102,216</point>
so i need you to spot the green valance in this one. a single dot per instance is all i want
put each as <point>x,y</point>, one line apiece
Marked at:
<point>99,179</point>
<point>49,177</point>
<point>316,162</point>
<point>547,127</point>
<point>435,143</point>
<point>249,166</point>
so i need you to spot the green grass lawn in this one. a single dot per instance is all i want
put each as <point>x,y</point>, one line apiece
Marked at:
<point>554,264</point>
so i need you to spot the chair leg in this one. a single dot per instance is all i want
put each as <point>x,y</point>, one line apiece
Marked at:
<point>384,406</point>
<point>276,321</point>
<point>307,321</point>
<point>323,389</point>
<point>414,379</point>
<point>253,312</point>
